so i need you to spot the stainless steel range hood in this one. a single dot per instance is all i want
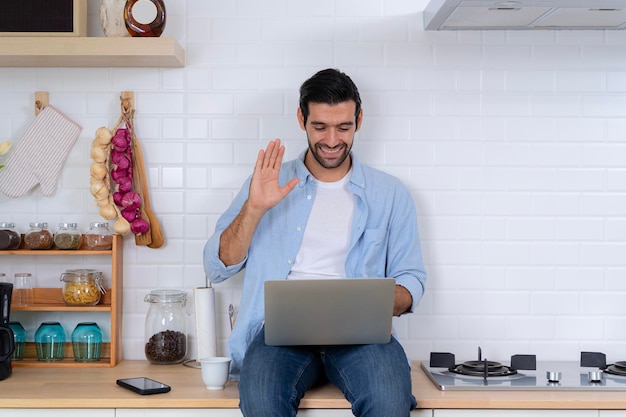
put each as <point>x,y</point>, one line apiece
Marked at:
<point>525,14</point>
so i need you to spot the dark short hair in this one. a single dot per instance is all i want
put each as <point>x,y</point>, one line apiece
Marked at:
<point>329,86</point>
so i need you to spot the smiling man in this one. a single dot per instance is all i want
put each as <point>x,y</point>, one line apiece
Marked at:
<point>323,214</point>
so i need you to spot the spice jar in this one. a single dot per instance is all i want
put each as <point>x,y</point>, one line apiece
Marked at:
<point>9,236</point>
<point>86,342</point>
<point>68,236</point>
<point>99,236</point>
<point>38,236</point>
<point>50,341</point>
<point>166,334</point>
<point>82,287</point>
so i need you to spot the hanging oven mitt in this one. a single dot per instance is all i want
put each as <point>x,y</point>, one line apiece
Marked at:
<point>39,155</point>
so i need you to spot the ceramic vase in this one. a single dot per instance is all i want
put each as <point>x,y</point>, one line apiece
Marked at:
<point>145,17</point>
<point>112,18</point>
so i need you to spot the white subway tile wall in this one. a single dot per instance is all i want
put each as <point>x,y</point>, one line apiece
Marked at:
<point>512,143</point>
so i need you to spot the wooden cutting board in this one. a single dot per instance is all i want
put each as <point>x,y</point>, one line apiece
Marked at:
<point>154,238</point>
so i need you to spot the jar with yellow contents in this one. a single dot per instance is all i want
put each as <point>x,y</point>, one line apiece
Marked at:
<point>82,287</point>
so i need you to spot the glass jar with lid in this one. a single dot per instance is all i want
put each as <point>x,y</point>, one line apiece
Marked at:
<point>99,236</point>
<point>10,238</point>
<point>38,236</point>
<point>68,236</point>
<point>166,327</point>
<point>82,287</point>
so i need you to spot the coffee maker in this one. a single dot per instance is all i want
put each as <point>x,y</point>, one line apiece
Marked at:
<point>7,341</point>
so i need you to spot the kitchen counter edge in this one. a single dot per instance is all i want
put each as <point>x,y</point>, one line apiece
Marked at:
<point>84,388</point>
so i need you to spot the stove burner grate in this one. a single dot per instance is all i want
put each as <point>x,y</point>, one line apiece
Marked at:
<point>618,368</point>
<point>482,368</point>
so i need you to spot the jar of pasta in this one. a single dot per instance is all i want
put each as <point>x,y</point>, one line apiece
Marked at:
<point>82,287</point>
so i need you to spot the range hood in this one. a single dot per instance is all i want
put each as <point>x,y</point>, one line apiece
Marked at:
<point>525,14</point>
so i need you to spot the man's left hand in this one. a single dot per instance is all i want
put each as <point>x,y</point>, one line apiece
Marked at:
<point>403,300</point>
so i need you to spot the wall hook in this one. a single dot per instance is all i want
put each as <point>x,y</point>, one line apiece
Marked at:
<point>127,99</point>
<point>41,101</point>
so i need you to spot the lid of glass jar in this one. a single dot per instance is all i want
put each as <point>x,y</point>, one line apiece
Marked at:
<point>7,225</point>
<point>81,275</point>
<point>38,225</point>
<point>68,225</point>
<point>166,296</point>
<point>98,224</point>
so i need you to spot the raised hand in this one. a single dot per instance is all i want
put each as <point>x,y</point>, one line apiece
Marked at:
<point>265,191</point>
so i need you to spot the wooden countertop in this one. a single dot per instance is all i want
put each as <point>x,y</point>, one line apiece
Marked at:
<point>39,387</point>
<point>96,388</point>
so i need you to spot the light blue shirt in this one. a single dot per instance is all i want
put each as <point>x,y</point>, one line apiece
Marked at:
<point>384,242</point>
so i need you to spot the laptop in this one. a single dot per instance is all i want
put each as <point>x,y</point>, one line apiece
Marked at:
<point>314,312</point>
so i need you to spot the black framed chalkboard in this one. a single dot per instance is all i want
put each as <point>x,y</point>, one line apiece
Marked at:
<point>53,17</point>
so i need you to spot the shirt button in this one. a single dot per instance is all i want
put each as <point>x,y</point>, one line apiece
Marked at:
<point>289,261</point>
<point>308,197</point>
<point>299,229</point>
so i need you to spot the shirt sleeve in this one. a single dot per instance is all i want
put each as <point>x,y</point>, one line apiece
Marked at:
<point>405,262</point>
<point>214,268</point>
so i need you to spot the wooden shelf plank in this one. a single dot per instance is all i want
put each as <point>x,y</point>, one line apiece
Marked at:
<point>90,52</point>
<point>30,358</point>
<point>51,299</point>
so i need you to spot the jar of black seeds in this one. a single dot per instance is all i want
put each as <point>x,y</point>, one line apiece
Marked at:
<point>68,236</point>
<point>10,238</point>
<point>166,327</point>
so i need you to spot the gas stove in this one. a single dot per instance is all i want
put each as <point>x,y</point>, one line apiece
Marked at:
<point>524,373</point>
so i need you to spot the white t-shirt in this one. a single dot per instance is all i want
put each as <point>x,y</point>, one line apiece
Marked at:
<point>326,237</point>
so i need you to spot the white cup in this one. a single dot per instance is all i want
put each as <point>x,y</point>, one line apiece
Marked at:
<point>215,371</point>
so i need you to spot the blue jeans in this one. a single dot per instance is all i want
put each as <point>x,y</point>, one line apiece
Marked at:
<point>376,379</point>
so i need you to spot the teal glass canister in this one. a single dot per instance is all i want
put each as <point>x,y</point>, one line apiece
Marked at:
<point>19,335</point>
<point>50,341</point>
<point>87,342</point>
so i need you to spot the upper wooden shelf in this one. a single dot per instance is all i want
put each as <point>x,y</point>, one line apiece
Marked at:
<point>90,52</point>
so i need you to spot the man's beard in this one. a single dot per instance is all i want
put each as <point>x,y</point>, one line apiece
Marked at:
<point>333,163</point>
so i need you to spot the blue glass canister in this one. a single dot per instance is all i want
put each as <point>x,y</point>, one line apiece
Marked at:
<point>19,335</point>
<point>87,342</point>
<point>50,341</point>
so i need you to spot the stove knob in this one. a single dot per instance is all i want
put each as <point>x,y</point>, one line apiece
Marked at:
<point>595,376</point>
<point>553,376</point>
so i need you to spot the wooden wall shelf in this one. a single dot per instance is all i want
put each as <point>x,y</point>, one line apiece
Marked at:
<point>51,300</point>
<point>90,52</point>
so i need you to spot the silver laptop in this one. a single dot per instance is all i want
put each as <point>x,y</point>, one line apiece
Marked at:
<point>328,311</point>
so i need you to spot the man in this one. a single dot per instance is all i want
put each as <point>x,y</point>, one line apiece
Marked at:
<point>323,214</point>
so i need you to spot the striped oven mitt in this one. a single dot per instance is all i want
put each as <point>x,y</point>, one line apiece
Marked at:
<point>39,155</point>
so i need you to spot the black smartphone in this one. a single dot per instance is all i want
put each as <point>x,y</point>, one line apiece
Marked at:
<point>143,385</point>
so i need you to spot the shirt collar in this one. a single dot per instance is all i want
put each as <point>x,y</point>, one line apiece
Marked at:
<point>357,177</point>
